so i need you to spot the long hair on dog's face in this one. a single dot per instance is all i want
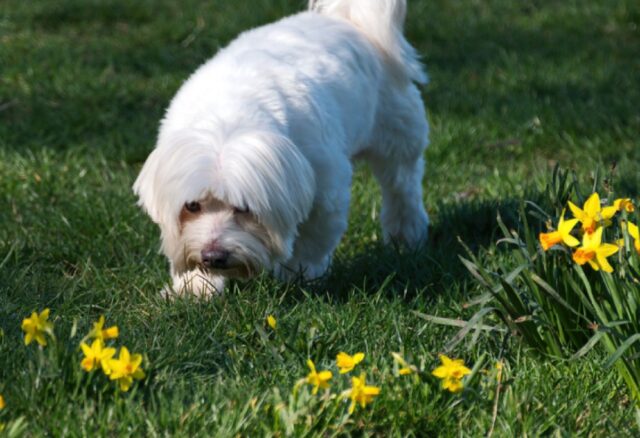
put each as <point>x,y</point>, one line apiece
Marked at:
<point>228,203</point>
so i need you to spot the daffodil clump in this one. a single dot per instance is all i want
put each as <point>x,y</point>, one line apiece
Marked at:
<point>37,327</point>
<point>272,322</point>
<point>317,379</point>
<point>360,393</point>
<point>573,288</point>
<point>123,370</point>
<point>587,241</point>
<point>346,362</point>
<point>97,355</point>
<point>451,372</point>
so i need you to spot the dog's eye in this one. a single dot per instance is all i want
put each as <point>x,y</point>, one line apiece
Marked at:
<point>240,210</point>
<point>192,207</point>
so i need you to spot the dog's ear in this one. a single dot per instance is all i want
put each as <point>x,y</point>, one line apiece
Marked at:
<point>267,173</point>
<point>144,186</point>
<point>180,169</point>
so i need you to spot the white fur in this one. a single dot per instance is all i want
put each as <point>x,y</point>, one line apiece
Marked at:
<point>272,123</point>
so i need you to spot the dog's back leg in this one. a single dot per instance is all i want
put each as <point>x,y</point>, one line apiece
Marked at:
<point>396,159</point>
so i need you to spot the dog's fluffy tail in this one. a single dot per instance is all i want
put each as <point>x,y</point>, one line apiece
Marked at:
<point>382,21</point>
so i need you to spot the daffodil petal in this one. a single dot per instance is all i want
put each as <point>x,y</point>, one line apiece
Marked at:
<point>607,250</point>
<point>86,349</point>
<point>604,264</point>
<point>440,372</point>
<point>111,332</point>
<point>576,211</point>
<point>593,265</point>
<point>566,226</point>
<point>608,212</point>
<point>569,240</point>
<point>592,205</point>
<point>633,230</point>
<point>445,360</point>
<point>40,339</point>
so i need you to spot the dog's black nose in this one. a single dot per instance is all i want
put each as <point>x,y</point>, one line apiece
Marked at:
<point>215,258</point>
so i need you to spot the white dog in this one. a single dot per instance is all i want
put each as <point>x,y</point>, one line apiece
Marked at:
<point>253,163</point>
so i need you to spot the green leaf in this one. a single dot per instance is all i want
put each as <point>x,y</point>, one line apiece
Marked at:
<point>589,345</point>
<point>621,349</point>
<point>453,322</point>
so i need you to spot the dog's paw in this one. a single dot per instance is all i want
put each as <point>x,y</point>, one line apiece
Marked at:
<point>409,230</point>
<point>415,233</point>
<point>198,283</point>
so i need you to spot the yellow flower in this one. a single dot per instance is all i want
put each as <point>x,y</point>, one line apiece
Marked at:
<point>405,367</point>
<point>451,372</point>
<point>2,404</point>
<point>346,363</point>
<point>595,252</point>
<point>96,355</point>
<point>272,322</point>
<point>592,213</point>
<point>103,334</point>
<point>36,326</point>
<point>360,392</point>
<point>624,204</point>
<point>547,240</point>
<point>317,379</point>
<point>126,368</point>
<point>635,233</point>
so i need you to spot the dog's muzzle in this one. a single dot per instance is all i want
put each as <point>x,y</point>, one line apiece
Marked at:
<point>215,259</point>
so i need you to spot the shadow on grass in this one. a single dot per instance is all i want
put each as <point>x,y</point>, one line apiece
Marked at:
<point>436,267</point>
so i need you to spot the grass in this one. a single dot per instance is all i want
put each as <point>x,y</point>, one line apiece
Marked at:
<point>516,87</point>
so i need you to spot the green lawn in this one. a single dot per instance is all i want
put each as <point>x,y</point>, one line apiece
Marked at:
<point>516,87</point>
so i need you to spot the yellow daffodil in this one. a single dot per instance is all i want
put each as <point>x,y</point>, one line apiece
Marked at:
<point>2,404</point>
<point>360,393</point>
<point>98,332</point>
<point>405,368</point>
<point>595,252</point>
<point>624,204</point>
<point>635,234</point>
<point>592,213</point>
<point>317,379</point>
<point>451,372</point>
<point>563,234</point>
<point>272,322</point>
<point>96,355</point>
<point>126,368</point>
<point>346,362</point>
<point>36,326</point>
